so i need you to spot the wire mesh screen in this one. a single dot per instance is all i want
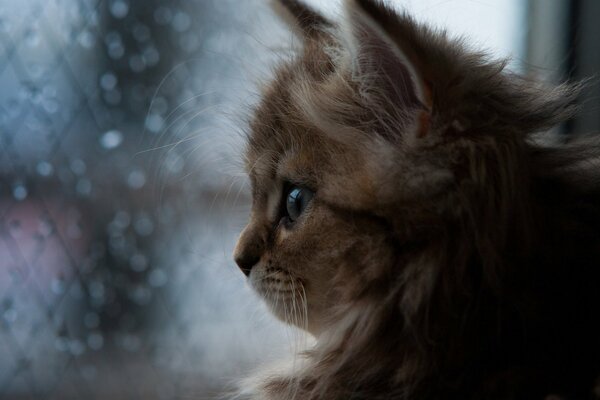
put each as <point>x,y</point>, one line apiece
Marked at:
<point>119,202</point>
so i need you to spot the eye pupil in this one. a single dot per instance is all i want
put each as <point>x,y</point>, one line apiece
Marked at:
<point>296,201</point>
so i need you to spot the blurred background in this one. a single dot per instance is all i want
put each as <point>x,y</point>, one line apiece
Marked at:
<point>121,191</point>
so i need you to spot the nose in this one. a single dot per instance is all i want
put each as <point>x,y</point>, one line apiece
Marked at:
<point>246,261</point>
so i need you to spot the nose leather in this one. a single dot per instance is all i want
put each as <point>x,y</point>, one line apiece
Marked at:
<point>246,261</point>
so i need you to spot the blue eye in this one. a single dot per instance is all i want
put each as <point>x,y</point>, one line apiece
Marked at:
<point>297,199</point>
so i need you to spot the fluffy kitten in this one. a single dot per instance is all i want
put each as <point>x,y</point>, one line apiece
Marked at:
<point>410,212</point>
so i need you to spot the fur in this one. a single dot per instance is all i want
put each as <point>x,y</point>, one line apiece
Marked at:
<point>452,248</point>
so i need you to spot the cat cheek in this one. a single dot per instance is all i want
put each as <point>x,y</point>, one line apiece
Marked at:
<point>282,234</point>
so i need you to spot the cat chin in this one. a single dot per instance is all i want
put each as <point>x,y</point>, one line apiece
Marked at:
<point>287,304</point>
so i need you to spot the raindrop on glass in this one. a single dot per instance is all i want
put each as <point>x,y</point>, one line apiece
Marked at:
<point>50,105</point>
<point>86,39</point>
<point>116,50</point>
<point>111,139</point>
<point>108,81</point>
<point>19,192</point>
<point>61,344</point>
<point>83,187</point>
<point>143,225</point>
<point>157,278</point>
<point>119,8</point>
<point>44,168</point>
<point>137,63</point>
<point>45,227</point>
<point>122,219</point>
<point>136,179</point>
<point>95,341</point>
<point>151,56</point>
<point>138,262</point>
<point>76,348</point>
<point>174,163</point>
<point>181,21</point>
<point>154,123</point>
<point>78,166</point>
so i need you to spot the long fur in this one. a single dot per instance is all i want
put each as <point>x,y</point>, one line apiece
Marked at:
<point>475,270</point>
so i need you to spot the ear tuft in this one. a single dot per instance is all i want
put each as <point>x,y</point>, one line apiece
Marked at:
<point>378,56</point>
<point>309,22</point>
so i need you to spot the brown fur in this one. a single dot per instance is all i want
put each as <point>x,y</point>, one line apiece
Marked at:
<point>452,249</point>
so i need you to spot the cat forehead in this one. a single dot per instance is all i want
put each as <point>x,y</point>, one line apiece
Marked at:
<point>278,159</point>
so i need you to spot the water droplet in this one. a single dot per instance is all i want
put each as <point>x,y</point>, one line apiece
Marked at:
<point>44,168</point>
<point>138,262</point>
<point>111,139</point>
<point>121,220</point>
<point>136,179</point>
<point>76,348</point>
<point>83,187</point>
<point>50,105</point>
<point>174,163</point>
<point>181,21</point>
<point>61,344</point>
<point>20,192</point>
<point>116,50</point>
<point>143,225</point>
<point>157,278</point>
<point>95,341</point>
<point>108,81</point>
<point>78,166</point>
<point>119,8</point>
<point>151,56</point>
<point>86,39</point>
<point>137,63</point>
<point>45,227</point>
<point>154,123</point>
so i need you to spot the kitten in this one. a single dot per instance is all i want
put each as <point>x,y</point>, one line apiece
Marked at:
<point>410,212</point>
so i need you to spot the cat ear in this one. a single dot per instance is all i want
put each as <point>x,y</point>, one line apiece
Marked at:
<point>308,21</point>
<point>371,31</point>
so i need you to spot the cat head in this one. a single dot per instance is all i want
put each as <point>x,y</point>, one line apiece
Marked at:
<point>380,138</point>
